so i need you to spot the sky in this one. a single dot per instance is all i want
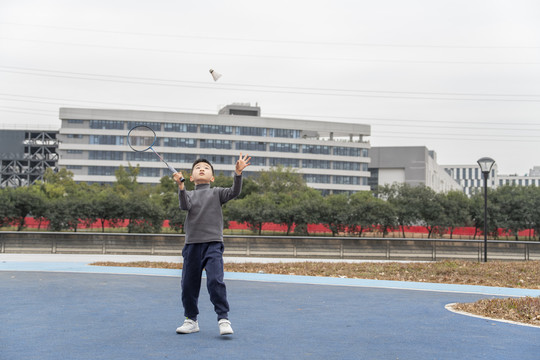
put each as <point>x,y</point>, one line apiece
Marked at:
<point>459,77</point>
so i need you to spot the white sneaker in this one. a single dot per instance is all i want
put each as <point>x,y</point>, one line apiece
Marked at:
<point>189,326</point>
<point>225,327</point>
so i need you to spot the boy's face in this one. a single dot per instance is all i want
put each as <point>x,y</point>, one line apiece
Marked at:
<point>202,174</point>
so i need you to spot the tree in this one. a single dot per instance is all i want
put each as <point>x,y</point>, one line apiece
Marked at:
<point>385,215</point>
<point>7,211</point>
<point>109,207</point>
<point>361,216</point>
<point>63,214</point>
<point>280,180</point>
<point>430,209</point>
<point>305,209</point>
<point>476,210</point>
<point>254,210</point>
<point>21,203</point>
<point>533,194</point>
<point>298,208</point>
<point>404,199</point>
<point>334,212</point>
<point>126,180</point>
<point>145,216</point>
<point>513,207</point>
<point>456,210</point>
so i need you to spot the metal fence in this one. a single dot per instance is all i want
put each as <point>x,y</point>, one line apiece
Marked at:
<point>270,246</point>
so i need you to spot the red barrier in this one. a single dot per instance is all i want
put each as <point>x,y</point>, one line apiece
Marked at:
<point>271,227</point>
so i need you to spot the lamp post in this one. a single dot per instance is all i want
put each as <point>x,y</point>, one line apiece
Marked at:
<point>485,164</point>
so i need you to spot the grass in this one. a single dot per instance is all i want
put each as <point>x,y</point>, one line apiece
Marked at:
<point>495,273</point>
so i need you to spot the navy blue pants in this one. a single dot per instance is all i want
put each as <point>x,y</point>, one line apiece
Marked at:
<point>197,257</point>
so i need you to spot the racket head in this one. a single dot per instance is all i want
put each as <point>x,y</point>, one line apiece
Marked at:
<point>141,138</point>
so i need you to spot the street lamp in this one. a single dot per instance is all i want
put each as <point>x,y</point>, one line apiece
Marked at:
<point>485,164</point>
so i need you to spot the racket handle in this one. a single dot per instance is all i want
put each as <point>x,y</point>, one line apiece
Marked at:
<point>173,170</point>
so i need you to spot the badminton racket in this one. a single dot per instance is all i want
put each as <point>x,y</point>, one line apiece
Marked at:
<point>142,138</point>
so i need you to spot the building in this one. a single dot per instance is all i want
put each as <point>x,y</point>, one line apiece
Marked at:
<point>415,165</point>
<point>535,171</point>
<point>533,179</point>
<point>25,155</point>
<point>332,157</point>
<point>471,178</point>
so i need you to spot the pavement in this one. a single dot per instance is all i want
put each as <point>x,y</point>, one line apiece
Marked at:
<point>59,307</point>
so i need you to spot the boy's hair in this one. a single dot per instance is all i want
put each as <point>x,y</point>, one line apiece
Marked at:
<point>202,161</point>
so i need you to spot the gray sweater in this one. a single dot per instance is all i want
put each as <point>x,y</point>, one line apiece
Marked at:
<point>204,220</point>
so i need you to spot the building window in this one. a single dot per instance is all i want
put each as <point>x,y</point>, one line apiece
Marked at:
<point>215,144</point>
<point>102,170</point>
<point>284,133</point>
<point>75,121</point>
<point>258,161</point>
<point>295,163</point>
<point>251,145</point>
<point>316,149</point>
<point>316,164</point>
<point>74,151</point>
<point>250,131</point>
<point>179,142</point>
<point>152,125</point>
<point>284,147</point>
<point>344,165</point>
<point>107,140</point>
<point>149,172</point>
<point>347,151</point>
<point>179,158</point>
<point>216,129</point>
<point>348,180</point>
<point>140,156</point>
<point>317,178</point>
<point>75,136</point>
<point>106,155</point>
<point>218,159</point>
<point>191,128</point>
<point>106,124</point>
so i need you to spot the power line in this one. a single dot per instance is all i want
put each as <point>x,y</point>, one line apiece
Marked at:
<point>304,42</point>
<point>385,134</point>
<point>372,121</point>
<point>265,88</point>
<point>290,57</point>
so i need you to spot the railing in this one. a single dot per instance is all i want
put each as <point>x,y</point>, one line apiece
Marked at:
<point>270,246</point>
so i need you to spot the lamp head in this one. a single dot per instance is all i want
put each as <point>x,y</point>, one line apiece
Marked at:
<point>486,164</point>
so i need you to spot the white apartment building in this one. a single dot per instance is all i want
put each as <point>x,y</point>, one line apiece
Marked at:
<point>470,177</point>
<point>472,180</point>
<point>332,157</point>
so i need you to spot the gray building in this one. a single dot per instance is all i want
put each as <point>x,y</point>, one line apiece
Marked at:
<point>332,157</point>
<point>414,165</point>
<point>25,155</point>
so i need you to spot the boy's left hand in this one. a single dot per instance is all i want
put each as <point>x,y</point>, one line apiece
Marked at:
<point>242,163</point>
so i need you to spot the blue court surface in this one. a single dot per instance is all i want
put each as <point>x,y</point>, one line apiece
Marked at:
<point>69,310</point>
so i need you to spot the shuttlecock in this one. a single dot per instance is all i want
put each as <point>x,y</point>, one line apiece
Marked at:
<point>215,74</point>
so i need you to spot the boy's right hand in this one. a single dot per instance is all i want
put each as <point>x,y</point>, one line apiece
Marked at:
<point>177,176</point>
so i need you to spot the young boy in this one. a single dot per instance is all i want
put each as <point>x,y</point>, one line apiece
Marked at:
<point>203,247</point>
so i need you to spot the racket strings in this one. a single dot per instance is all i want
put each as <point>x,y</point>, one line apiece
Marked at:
<point>141,138</point>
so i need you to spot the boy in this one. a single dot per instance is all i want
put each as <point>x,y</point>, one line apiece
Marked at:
<point>203,247</point>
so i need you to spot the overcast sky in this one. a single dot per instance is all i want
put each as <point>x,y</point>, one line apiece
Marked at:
<point>459,77</point>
